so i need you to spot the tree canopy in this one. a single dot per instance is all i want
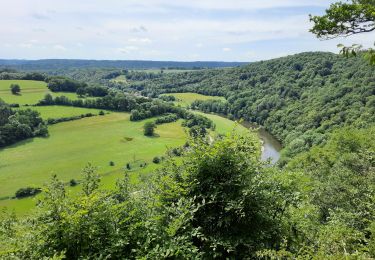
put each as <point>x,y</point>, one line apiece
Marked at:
<point>345,19</point>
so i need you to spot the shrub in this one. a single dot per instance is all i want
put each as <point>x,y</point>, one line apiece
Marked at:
<point>111,163</point>
<point>15,89</point>
<point>149,129</point>
<point>27,192</point>
<point>156,160</point>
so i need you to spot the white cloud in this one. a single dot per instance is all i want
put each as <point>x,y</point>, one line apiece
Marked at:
<point>159,29</point>
<point>128,49</point>
<point>140,40</point>
<point>59,47</point>
<point>26,45</point>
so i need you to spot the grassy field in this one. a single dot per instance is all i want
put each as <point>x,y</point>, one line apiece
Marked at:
<point>223,125</point>
<point>120,79</point>
<point>63,111</point>
<point>185,99</point>
<point>71,145</point>
<point>31,92</point>
<point>98,140</point>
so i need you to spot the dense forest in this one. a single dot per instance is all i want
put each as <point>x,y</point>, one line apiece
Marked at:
<point>56,64</point>
<point>299,99</point>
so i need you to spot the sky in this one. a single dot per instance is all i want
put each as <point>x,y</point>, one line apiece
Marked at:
<point>178,30</point>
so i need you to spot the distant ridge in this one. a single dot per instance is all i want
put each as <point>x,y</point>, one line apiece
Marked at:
<point>52,64</point>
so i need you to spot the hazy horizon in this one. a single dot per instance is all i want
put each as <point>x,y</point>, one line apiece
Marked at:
<point>162,30</point>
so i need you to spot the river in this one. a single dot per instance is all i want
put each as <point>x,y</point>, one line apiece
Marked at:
<point>271,147</point>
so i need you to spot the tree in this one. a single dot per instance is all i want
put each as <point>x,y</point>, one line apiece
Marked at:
<point>238,205</point>
<point>15,89</point>
<point>346,19</point>
<point>149,128</point>
<point>81,91</point>
<point>90,179</point>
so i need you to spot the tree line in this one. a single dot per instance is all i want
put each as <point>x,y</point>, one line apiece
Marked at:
<point>19,125</point>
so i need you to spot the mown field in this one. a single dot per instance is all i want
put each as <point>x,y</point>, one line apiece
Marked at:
<point>185,99</point>
<point>62,111</point>
<point>31,92</point>
<point>71,145</point>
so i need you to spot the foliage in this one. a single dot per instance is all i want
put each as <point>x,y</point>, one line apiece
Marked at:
<point>62,84</point>
<point>149,128</point>
<point>299,99</point>
<point>15,89</point>
<point>168,118</point>
<point>237,210</point>
<point>206,208</point>
<point>19,125</point>
<point>346,19</point>
<point>52,121</point>
<point>156,160</point>
<point>27,192</point>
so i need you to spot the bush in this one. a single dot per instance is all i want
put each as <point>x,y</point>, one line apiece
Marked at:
<point>101,113</point>
<point>149,129</point>
<point>156,160</point>
<point>15,89</point>
<point>73,183</point>
<point>27,192</point>
<point>111,163</point>
<point>166,119</point>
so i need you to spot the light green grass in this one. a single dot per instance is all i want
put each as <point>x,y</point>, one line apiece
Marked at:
<point>185,99</point>
<point>31,92</point>
<point>120,79</point>
<point>97,140</point>
<point>63,111</point>
<point>72,145</point>
<point>224,125</point>
<point>157,71</point>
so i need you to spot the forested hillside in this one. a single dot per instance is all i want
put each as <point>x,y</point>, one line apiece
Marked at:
<point>55,64</point>
<point>299,98</point>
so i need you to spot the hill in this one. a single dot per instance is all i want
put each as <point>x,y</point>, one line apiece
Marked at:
<point>298,98</point>
<point>54,64</point>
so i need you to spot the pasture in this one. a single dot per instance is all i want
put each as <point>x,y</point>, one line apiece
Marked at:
<point>185,99</point>
<point>71,145</point>
<point>63,111</point>
<point>31,92</point>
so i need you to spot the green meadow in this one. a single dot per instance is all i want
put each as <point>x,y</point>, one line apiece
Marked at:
<point>63,111</point>
<point>31,92</point>
<point>71,145</point>
<point>97,140</point>
<point>185,99</point>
